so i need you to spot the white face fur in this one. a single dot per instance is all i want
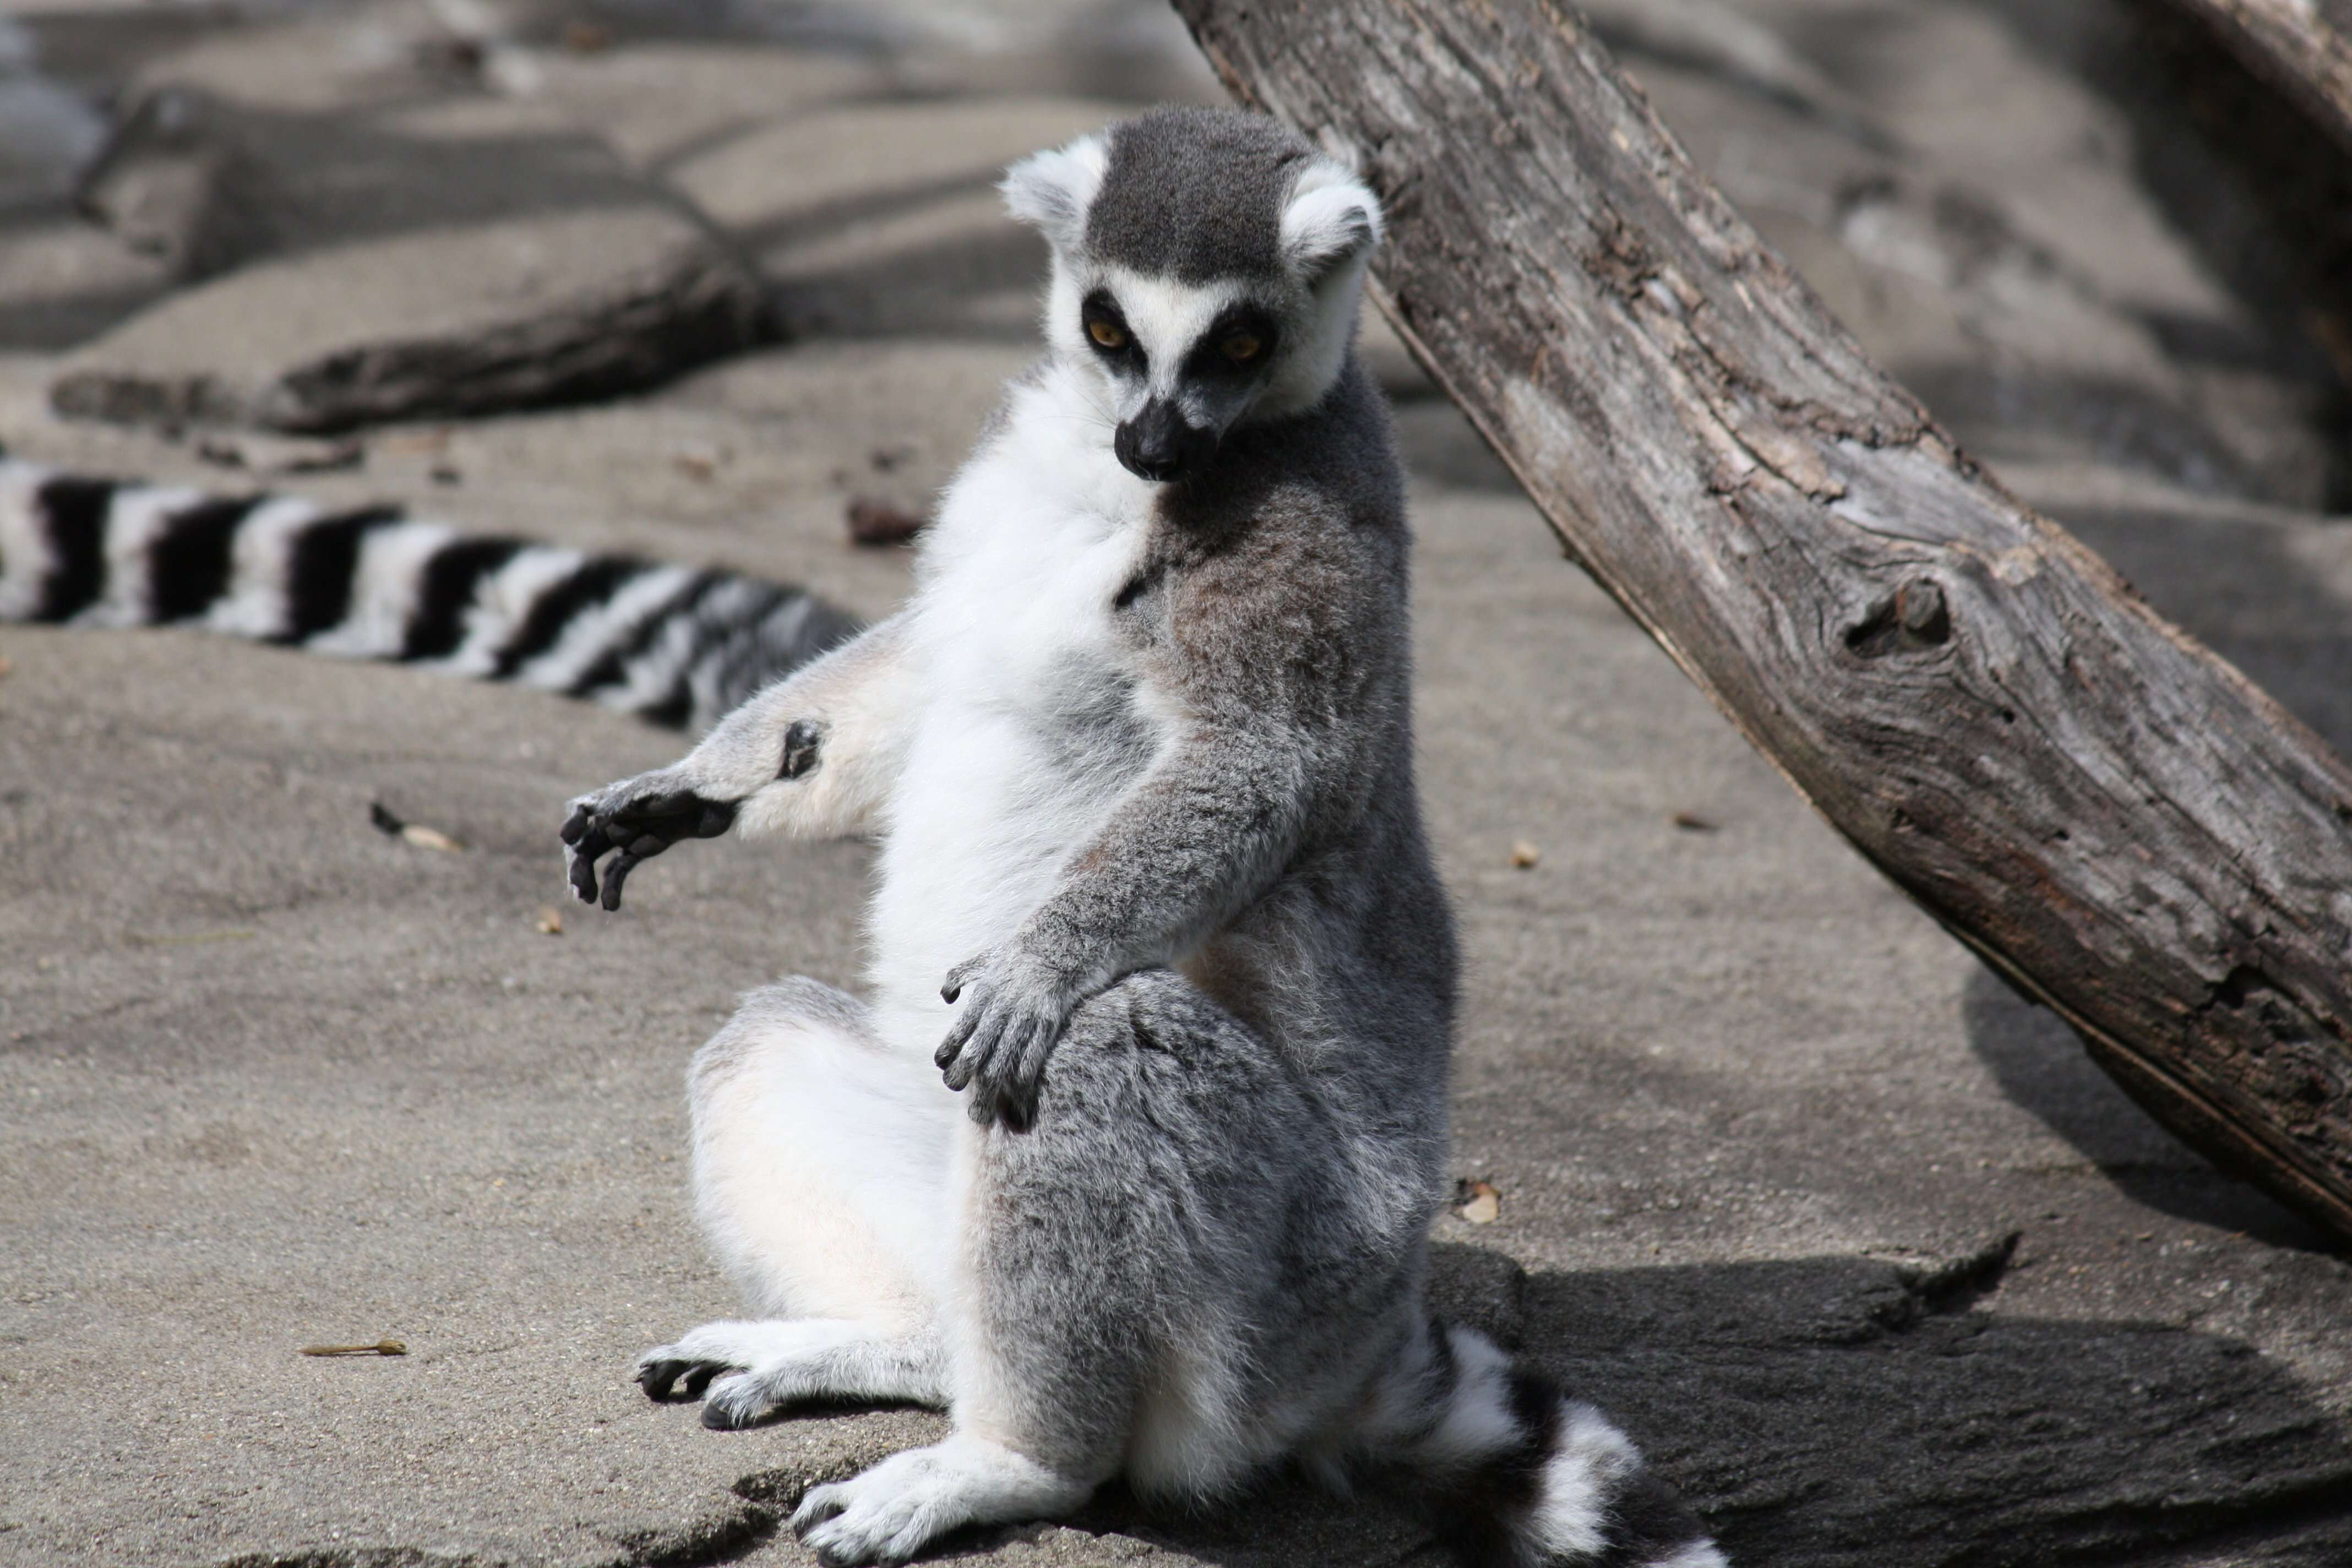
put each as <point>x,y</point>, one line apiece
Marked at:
<point>1180,363</point>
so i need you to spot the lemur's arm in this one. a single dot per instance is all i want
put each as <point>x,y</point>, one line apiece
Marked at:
<point>811,756</point>
<point>1203,837</point>
<point>1271,683</point>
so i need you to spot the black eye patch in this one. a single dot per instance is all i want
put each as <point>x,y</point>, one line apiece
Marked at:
<point>1240,344</point>
<point>1107,332</point>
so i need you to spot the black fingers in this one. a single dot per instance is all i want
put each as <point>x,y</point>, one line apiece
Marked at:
<point>585,853</point>
<point>726,1418</point>
<point>639,829</point>
<point>655,1378</point>
<point>660,1380</point>
<point>626,861</point>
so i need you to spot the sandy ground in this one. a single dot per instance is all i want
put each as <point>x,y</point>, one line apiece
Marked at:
<point>1859,1246</point>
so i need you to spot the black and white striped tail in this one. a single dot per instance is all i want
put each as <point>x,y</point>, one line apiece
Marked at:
<point>1512,1473</point>
<point>676,645</point>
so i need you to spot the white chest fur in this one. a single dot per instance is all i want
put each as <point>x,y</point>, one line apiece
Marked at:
<point>1036,713</point>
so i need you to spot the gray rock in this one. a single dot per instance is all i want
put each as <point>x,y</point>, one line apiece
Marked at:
<point>177,181</point>
<point>47,133</point>
<point>412,245</point>
<point>494,316</point>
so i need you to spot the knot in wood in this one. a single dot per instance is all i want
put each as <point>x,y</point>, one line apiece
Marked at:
<point>1912,619</point>
<point>1920,606</point>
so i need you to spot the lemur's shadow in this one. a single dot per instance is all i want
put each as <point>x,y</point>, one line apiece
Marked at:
<point>1847,1413</point>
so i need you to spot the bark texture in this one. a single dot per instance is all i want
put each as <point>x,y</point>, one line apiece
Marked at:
<point>2298,46</point>
<point>2111,815</point>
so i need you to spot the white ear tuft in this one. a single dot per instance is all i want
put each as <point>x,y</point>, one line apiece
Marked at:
<point>1053,189</point>
<point>1331,217</point>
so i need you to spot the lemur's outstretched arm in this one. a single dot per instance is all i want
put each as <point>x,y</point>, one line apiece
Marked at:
<point>811,756</point>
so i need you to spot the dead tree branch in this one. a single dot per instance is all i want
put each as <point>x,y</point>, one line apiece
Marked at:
<point>2112,815</point>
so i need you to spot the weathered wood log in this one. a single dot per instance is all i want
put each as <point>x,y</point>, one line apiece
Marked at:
<point>2116,819</point>
<point>2298,47</point>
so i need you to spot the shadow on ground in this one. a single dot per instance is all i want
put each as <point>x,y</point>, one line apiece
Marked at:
<point>2234,584</point>
<point>2040,1065</point>
<point>1851,1412</point>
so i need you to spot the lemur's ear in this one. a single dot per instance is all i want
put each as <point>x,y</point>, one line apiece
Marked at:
<point>1331,217</point>
<point>1053,190</point>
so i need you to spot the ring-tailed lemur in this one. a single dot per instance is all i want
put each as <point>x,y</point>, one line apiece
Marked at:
<point>677,646</point>
<point>1155,898</point>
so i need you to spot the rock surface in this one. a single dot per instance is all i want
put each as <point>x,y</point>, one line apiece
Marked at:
<point>412,246</point>
<point>1761,1134</point>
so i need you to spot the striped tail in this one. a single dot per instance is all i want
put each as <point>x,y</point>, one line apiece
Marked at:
<point>677,646</point>
<point>1512,1473</point>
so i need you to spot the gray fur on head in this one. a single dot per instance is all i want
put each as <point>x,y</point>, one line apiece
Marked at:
<point>1185,232</point>
<point>1196,193</point>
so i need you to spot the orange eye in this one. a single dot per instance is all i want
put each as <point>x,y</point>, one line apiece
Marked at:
<point>1242,347</point>
<point>1107,334</point>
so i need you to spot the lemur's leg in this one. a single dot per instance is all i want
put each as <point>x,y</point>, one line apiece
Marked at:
<point>821,1175</point>
<point>813,756</point>
<point>1118,1263</point>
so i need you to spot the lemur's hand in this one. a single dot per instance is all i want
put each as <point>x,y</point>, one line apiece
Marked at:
<point>998,1047</point>
<point>640,817</point>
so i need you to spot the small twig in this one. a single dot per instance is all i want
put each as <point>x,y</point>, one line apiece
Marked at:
<point>381,1347</point>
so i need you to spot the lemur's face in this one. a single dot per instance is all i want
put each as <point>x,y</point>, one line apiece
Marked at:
<point>1206,270</point>
<point>1183,362</point>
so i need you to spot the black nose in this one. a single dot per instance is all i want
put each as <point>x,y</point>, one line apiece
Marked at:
<point>1158,443</point>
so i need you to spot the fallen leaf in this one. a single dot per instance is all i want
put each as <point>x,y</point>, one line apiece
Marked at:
<point>583,37</point>
<point>550,921</point>
<point>877,523</point>
<point>415,833</point>
<point>1524,855</point>
<point>1692,822</point>
<point>6,666</point>
<point>699,460</point>
<point>1480,1203</point>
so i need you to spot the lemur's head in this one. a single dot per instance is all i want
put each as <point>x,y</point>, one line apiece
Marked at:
<point>1206,266</point>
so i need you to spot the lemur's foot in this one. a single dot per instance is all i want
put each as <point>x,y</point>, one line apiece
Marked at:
<point>640,817</point>
<point>773,1364</point>
<point>999,1046</point>
<point>909,1500</point>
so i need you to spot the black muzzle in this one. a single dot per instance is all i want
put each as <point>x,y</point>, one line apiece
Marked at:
<point>1159,444</point>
